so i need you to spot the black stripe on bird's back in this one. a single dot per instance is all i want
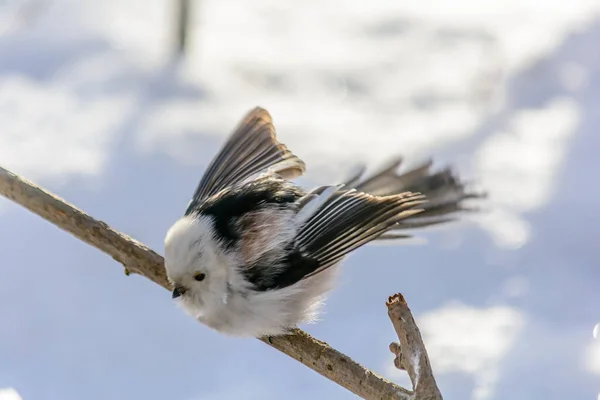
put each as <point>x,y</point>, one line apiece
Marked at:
<point>233,203</point>
<point>291,269</point>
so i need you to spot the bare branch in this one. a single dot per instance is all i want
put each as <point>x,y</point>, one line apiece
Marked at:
<point>141,260</point>
<point>411,354</point>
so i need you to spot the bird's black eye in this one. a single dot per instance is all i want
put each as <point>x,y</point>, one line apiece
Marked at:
<point>199,276</point>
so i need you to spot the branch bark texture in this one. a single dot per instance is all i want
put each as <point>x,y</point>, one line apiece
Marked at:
<point>411,354</point>
<point>139,259</point>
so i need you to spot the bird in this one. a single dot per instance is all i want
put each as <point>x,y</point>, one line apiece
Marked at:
<point>256,255</point>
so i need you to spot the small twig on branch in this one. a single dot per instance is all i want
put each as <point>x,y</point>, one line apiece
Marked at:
<point>139,259</point>
<point>411,354</point>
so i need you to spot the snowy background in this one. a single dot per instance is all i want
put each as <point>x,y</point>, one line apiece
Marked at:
<point>93,108</point>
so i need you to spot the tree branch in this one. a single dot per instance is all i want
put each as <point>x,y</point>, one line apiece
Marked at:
<point>139,259</point>
<point>411,354</point>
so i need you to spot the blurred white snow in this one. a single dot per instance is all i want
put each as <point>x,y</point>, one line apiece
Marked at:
<point>9,394</point>
<point>344,81</point>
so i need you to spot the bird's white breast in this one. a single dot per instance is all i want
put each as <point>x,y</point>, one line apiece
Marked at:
<point>270,313</point>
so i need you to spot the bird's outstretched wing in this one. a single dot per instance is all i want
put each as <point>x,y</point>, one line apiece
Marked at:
<point>446,193</point>
<point>332,223</point>
<point>251,149</point>
<point>348,219</point>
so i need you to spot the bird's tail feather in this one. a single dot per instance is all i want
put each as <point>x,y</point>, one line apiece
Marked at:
<point>446,194</point>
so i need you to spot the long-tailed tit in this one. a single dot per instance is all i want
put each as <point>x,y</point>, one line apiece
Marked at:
<point>255,254</point>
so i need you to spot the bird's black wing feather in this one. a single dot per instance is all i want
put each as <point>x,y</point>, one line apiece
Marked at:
<point>290,270</point>
<point>349,219</point>
<point>332,223</point>
<point>250,150</point>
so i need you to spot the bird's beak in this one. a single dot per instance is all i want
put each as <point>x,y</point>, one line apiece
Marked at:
<point>178,291</point>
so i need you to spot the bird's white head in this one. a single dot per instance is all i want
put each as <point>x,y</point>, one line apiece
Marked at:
<point>197,265</point>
